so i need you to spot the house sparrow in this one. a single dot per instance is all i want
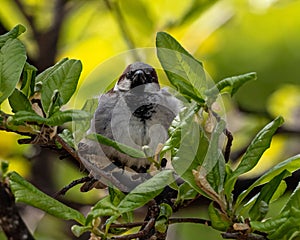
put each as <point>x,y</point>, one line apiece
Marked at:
<point>137,113</point>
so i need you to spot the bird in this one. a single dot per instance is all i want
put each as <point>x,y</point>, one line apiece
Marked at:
<point>136,112</point>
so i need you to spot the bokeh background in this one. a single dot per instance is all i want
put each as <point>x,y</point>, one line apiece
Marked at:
<point>230,37</point>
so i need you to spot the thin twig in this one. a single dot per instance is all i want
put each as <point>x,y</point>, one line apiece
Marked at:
<point>68,148</point>
<point>229,136</point>
<point>142,233</point>
<point>127,225</point>
<point>242,236</point>
<point>171,221</point>
<point>190,220</point>
<point>73,184</point>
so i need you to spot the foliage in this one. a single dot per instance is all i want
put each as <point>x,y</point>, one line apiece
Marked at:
<point>196,156</point>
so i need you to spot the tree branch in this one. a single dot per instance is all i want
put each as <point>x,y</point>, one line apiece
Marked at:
<point>68,148</point>
<point>10,220</point>
<point>242,236</point>
<point>190,220</point>
<point>142,233</point>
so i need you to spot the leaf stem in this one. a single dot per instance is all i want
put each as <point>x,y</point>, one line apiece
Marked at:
<point>171,221</point>
<point>229,136</point>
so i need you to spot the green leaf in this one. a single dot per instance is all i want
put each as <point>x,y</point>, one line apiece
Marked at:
<point>59,117</point>
<point>184,72</point>
<point>24,116</point>
<point>285,226</point>
<point>61,82</point>
<point>185,192</point>
<point>14,33</point>
<point>27,193</point>
<point>258,146</point>
<point>146,191</point>
<point>231,84</point>
<point>279,191</point>
<point>289,229</point>
<point>270,225</point>
<point>80,127</point>
<point>118,146</point>
<point>46,74</point>
<point>102,208</point>
<point>28,79</point>
<point>218,220</point>
<point>185,117</point>
<point>79,230</point>
<point>260,207</point>
<point>291,164</point>
<point>12,60</point>
<point>162,221</point>
<point>116,196</point>
<point>19,102</point>
<point>294,200</point>
<point>67,136</point>
<point>214,162</point>
<point>191,153</point>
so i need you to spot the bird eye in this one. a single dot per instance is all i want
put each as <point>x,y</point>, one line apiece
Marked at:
<point>129,75</point>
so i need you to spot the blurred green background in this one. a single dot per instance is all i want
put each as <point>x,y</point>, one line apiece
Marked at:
<point>230,37</point>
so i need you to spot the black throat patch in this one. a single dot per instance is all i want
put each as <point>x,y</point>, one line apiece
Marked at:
<point>145,112</point>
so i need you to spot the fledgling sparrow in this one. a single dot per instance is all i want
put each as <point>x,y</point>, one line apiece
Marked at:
<point>137,113</point>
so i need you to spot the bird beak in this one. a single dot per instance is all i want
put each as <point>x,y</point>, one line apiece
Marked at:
<point>139,78</point>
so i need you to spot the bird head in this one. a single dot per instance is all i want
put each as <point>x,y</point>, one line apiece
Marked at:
<point>138,75</point>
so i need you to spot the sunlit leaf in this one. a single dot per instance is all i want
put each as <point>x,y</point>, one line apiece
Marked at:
<point>184,72</point>
<point>258,211</point>
<point>146,191</point>
<point>27,193</point>
<point>232,84</point>
<point>279,191</point>
<point>62,81</point>
<point>294,200</point>
<point>284,226</point>
<point>12,60</point>
<point>289,229</point>
<point>291,164</point>
<point>14,33</point>
<point>257,147</point>
<point>46,74</point>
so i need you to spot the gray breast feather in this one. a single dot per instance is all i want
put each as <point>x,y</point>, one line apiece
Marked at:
<point>117,118</point>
